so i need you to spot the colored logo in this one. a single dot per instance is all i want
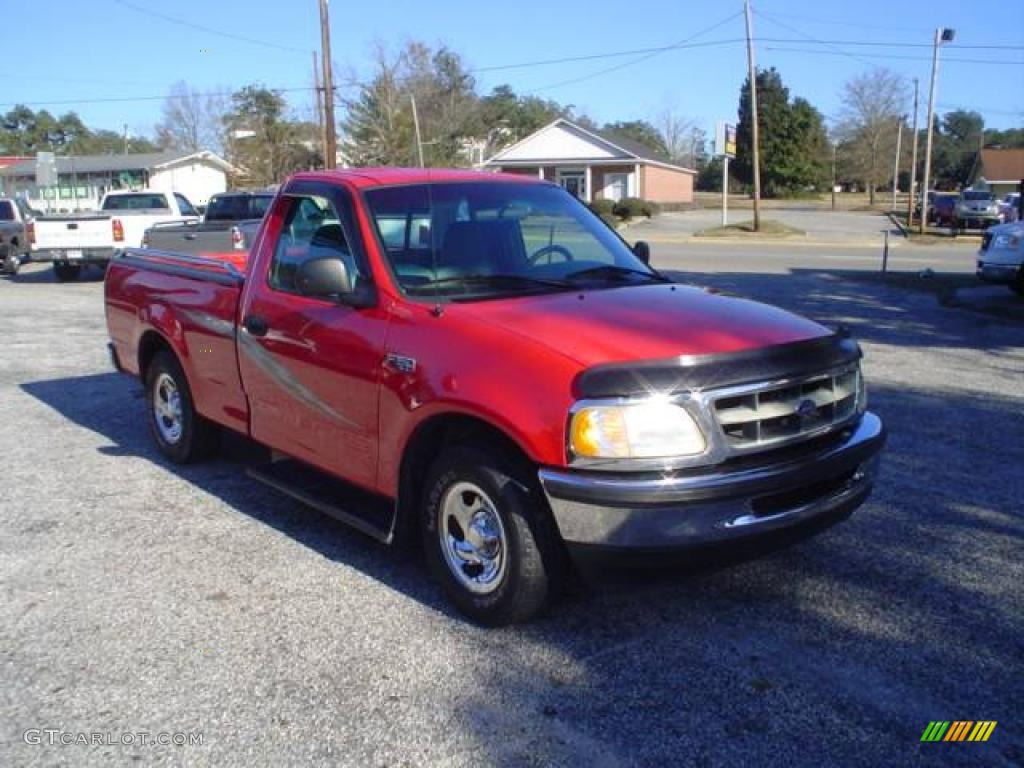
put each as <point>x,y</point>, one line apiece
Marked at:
<point>959,730</point>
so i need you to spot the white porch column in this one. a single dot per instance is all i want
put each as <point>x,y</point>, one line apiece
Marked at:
<point>540,171</point>
<point>588,177</point>
<point>636,182</point>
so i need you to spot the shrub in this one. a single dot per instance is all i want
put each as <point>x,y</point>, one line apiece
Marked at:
<point>602,207</point>
<point>610,220</point>
<point>631,207</point>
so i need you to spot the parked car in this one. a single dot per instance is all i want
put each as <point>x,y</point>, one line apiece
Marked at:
<point>15,218</point>
<point>940,208</point>
<point>478,360</point>
<point>1001,256</point>
<point>943,210</point>
<point>977,209</point>
<point>71,242</point>
<point>1009,208</point>
<point>230,223</point>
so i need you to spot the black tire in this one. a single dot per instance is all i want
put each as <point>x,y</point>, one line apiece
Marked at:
<point>1018,286</point>
<point>535,560</point>
<point>10,261</point>
<point>197,438</point>
<point>66,272</point>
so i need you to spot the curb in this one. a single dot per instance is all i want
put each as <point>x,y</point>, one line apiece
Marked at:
<point>897,224</point>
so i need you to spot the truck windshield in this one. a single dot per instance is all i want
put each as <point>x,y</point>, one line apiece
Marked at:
<point>6,210</point>
<point>972,194</point>
<point>139,202</point>
<point>488,239</point>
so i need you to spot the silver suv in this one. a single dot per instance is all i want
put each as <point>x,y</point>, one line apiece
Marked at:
<point>977,210</point>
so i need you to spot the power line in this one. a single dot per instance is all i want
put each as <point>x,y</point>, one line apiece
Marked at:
<point>807,37</point>
<point>684,43</point>
<point>598,56</point>
<point>210,30</point>
<point>878,43</point>
<point>897,56</point>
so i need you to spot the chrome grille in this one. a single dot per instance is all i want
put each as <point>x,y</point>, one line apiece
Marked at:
<point>768,414</point>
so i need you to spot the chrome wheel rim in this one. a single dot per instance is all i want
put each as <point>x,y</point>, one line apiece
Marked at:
<point>473,538</point>
<point>167,408</point>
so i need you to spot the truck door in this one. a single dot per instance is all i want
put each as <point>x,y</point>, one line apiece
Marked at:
<point>311,366</point>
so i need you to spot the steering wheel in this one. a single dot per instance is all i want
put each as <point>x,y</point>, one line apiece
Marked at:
<point>549,251</point>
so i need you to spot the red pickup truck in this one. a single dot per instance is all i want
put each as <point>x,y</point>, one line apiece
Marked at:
<point>478,360</point>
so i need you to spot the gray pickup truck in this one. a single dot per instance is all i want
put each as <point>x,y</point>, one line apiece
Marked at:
<point>230,224</point>
<point>15,233</point>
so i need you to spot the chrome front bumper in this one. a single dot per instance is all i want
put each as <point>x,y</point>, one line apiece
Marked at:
<point>683,510</point>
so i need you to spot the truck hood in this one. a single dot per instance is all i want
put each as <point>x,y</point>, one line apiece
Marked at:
<point>643,323</point>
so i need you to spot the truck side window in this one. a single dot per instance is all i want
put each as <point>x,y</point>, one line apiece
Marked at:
<point>185,206</point>
<point>312,230</point>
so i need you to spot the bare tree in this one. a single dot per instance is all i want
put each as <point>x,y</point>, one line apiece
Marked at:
<point>192,120</point>
<point>681,136</point>
<point>873,105</point>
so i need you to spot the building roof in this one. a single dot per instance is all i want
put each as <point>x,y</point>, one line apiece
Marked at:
<point>607,145</point>
<point>113,163</point>
<point>10,160</point>
<point>1002,165</point>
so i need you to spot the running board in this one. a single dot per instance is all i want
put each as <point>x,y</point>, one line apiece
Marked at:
<point>364,511</point>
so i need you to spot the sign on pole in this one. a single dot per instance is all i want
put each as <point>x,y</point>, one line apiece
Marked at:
<point>725,140</point>
<point>725,147</point>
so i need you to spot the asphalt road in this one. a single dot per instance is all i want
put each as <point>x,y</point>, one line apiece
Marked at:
<point>138,596</point>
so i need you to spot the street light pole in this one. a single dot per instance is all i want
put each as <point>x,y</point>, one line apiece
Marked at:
<point>942,35</point>
<point>896,162</point>
<point>913,165</point>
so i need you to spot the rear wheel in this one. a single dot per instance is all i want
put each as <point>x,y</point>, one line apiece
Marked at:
<point>11,261</point>
<point>488,536</point>
<point>181,434</point>
<point>66,272</point>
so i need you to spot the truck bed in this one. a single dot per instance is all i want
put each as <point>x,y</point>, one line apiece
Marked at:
<point>200,238</point>
<point>192,300</point>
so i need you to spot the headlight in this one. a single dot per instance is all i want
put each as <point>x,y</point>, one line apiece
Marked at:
<point>1006,241</point>
<point>645,430</point>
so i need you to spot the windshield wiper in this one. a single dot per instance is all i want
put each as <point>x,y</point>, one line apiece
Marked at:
<point>615,271</point>
<point>488,280</point>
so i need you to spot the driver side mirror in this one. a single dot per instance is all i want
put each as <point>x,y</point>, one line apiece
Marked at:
<point>642,251</point>
<point>329,278</point>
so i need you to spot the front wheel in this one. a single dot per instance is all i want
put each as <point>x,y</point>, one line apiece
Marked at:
<point>181,434</point>
<point>66,272</point>
<point>489,538</point>
<point>1018,285</point>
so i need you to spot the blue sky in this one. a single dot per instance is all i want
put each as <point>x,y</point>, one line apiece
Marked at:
<point>80,52</point>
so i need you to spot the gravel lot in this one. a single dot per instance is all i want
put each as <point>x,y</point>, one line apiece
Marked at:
<point>137,596</point>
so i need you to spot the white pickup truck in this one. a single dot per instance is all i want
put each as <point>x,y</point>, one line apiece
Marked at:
<point>71,242</point>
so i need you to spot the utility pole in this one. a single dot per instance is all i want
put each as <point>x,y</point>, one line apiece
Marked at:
<point>835,152</point>
<point>896,163</point>
<point>321,126</point>
<point>330,139</point>
<point>913,165</point>
<point>416,125</point>
<point>753,120</point>
<point>942,35</point>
